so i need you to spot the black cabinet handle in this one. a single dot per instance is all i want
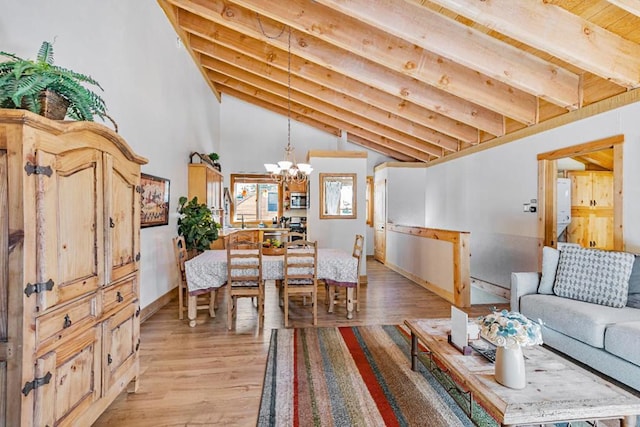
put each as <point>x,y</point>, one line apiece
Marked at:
<point>111,223</point>
<point>67,322</point>
<point>119,297</point>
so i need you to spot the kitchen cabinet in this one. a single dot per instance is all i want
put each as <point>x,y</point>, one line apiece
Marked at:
<point>591,209</point>
<point>206,183</point>
<point>69,281</point>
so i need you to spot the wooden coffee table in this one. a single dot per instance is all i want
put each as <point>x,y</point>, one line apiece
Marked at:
<point>557,389</point>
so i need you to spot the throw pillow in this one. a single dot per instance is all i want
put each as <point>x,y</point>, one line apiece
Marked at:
<point>550,257</point>
<point>594,275</point>
<point>634,280</point>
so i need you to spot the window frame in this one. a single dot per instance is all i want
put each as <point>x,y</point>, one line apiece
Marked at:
<point>252,179</point>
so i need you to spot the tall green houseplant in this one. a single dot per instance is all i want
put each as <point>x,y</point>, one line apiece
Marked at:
<point>196,224</point>
<point>26,84</point>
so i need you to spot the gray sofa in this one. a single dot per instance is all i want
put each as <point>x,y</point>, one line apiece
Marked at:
<point>603,335</point>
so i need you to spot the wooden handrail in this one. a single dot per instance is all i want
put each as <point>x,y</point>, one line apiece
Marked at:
<point>461,260</point>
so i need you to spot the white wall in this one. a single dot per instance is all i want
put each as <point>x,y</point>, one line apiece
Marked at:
<point>152,89</point>
<point>337,233</point>
<point>483,193</point>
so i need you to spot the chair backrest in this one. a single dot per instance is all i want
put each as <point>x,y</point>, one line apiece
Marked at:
<point>244,263</point>
<point>358,248</point>
<point>295,235</point>
<point>300,262</point>
<point>180,252</point>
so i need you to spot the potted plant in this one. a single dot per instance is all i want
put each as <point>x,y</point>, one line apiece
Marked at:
<point>196,224</point>
<point>44,88</point>
<point>214,158</point>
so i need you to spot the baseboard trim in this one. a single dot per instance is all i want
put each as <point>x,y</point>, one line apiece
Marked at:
<point>491,288</point>
<point>156,305</point>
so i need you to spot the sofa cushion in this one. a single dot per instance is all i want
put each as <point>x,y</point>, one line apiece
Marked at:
<point>619,339</point>
<point>594,275</point>
<point>634,279</point>
<point>581,320</point>
<point>633,301</point>
<point>550,257</point>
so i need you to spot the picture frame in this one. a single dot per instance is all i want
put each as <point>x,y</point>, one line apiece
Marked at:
<point>338,196</point>
<point>154,201</point>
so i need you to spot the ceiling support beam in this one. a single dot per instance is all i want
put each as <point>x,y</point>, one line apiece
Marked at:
<point>203,35</point>
<point>468,46</point>
<point>396,54</point>
<point>631,6</point>
<point>552,29</point>
<point>334,58</point>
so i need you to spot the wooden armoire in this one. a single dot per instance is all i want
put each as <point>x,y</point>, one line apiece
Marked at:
<point>69,280</point>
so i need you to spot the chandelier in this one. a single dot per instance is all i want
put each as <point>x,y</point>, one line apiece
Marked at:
<point>288,170</point>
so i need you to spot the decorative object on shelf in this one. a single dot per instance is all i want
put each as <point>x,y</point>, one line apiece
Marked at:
<point>509,331</point>
<point>214,157</point>
<point>47,89</point>
<point>288,170</point>
<point>196,224</point>
<point>154,209</point>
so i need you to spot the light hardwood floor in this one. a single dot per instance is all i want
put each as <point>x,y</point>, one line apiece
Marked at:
<point>209,376</point>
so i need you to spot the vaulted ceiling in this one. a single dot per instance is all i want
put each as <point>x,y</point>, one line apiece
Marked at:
<point>416,80</point>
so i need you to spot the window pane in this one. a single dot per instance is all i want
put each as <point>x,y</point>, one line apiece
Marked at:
<point>256,199</point>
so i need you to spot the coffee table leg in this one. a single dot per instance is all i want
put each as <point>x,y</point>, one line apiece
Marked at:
<point>414,352</point>
<point>628,421</point>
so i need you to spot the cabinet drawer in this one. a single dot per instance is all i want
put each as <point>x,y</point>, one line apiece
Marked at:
<point>119,294</point>
<point>57,325</point>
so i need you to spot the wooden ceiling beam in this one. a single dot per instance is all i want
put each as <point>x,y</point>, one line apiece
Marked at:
<point>214,55</point>
<point>228,82</point>
<point>323,53</point>
<point>553,29</point>
<point>200,30</point>
<point>228,74</point>
<point>399,55</point>
<point>468,46</point>
<point>631,6</point>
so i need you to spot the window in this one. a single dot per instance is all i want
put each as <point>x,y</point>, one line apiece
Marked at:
<point>256,198</point>
<point>369,201</point>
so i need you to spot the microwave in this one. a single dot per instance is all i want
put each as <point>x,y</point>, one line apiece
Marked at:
<point>298,200</point>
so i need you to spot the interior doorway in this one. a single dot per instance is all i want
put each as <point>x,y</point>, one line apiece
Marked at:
<point>597,220</point>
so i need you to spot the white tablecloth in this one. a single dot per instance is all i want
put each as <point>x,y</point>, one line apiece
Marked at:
<point>209,269</point>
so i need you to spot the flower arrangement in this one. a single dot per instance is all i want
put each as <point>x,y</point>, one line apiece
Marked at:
<point>510,329</point>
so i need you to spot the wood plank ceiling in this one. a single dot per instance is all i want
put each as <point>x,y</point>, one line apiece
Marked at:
<point>416,80</point>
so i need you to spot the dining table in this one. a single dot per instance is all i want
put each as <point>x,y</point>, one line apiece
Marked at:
<point>208,271</point>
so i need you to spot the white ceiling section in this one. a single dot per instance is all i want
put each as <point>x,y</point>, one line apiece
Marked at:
<point>416,80</point>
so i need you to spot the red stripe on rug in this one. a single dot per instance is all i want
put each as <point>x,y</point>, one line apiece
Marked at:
<point>296,420</point>
<point>369,377</point>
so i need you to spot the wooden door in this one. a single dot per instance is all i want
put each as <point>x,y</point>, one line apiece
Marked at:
<point>601,229</point>
<point>121,342</point>
<point>379,220</point>
<point>122,217</point>
<point>602,189</point>
<point>581,189</point>
<point>74,380</point>
<point>69,225</point>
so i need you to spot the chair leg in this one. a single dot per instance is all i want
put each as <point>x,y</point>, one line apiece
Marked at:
<point>180,300</point>
<point>285,302</point>
<point>229,308</point>
<point>314,300</point>
<point>212,302</point>
<point>358,296</point>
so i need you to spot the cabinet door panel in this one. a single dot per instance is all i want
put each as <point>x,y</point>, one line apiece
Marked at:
<point>75,381</point>
<point>601,228</point>
<point>603,189</point>
<point>581,189</point>
<point>121,332</point>
<point>122,217</point>
<point>69,224</point>
<point>578,229</point>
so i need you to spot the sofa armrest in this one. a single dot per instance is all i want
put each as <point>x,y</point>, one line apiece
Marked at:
<point>523,284</point>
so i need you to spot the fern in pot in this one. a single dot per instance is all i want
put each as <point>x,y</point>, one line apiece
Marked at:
<point>34,85</point>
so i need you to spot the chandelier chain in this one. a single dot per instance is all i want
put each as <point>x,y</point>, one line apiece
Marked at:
<point>265,34</point>
<point>289,89</point>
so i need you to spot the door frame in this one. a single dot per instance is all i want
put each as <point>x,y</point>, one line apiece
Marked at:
<point>547,174</point>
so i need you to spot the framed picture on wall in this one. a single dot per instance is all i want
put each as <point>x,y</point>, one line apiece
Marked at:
<point>154,201</point>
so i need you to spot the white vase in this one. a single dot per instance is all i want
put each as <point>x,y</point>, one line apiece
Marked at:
<point>510,367</point>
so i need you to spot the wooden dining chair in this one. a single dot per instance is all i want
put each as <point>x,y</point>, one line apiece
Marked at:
<point>244,277</point>
<point>206,301</point>
<point>295,235</point>
<point>331,291</point>
<point>300,275</point>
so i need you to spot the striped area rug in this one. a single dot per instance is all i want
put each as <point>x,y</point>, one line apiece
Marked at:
<point>353,376</point>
